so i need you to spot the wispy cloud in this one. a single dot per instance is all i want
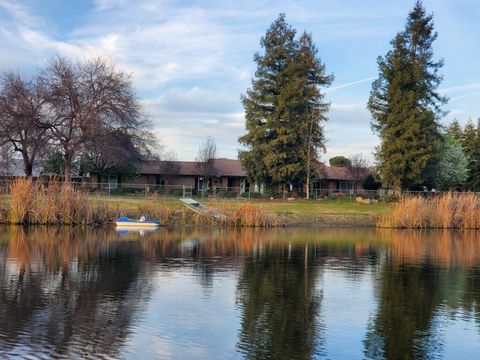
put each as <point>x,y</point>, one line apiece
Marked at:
<point>19,12</point>
<point>465,96</point>
<point>191,60</point>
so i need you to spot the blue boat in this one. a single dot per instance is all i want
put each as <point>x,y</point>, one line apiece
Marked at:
<point>137,223</point>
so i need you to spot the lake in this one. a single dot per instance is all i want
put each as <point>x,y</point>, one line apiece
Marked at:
<point>194,293</point>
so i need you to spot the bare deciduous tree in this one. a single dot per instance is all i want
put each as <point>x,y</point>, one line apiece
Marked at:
<point>169,167</point>
<point>206,153</point>
<point>22,110</point>
<point>86,101</point>
<point>312,138</point>
<point>114,153</point>
<point>358,168</point>
<point>6,159</point>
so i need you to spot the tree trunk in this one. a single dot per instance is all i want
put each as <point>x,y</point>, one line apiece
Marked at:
<point>27,165</point>
<point>308,183</point>
<point>67,166</point>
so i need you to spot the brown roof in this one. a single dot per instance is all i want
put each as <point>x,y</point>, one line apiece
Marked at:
<point>340,173</point>
<point>218,167</point>
<point>229,167</point>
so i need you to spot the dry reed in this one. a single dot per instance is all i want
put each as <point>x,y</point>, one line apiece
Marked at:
<point>251,215</point>
<point>235,215</point>
<point>58,203</point>
<point>447,211</point>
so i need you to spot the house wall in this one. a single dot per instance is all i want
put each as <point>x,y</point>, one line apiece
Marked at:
<point>189,181</point>
<point>332,185</point>
<point>180,180</point>
<point>142,179</point>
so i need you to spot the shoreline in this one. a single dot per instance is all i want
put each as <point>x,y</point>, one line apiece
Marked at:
<point>82,209</point>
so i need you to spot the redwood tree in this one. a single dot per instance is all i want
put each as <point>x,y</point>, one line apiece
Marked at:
<point>284,109</point>
<point>406,106</point>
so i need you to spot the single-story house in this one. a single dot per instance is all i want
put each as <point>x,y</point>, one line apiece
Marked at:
<point>331,179</point>
<point>217,173</point>
<point>226,174</point>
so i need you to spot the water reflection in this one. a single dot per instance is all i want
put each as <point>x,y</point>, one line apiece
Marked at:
<point>67,292</point>
<point>279,302</point>
<point>262,294</point>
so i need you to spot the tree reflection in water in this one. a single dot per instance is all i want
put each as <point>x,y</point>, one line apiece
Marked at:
<point>73,292</point>
<point>423,276</point>
<point>279,302</point>
<point>68,292</point>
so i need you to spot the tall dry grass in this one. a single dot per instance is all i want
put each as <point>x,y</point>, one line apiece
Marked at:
<point>447,211</point>
<point>251,215</point>
<point>58,203</point>
<point>235,215</point>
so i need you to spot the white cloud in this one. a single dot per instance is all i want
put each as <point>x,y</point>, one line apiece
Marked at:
<point>191,61</point>
<point>18,12</point>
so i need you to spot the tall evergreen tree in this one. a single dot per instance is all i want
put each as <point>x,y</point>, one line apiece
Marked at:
<point>452,167</point>
<point>284,109</point>
<point>406,106</point>
<point>471,145</point>
<point>469,139</point>
<point>308,106</point>
<point>455,131</point>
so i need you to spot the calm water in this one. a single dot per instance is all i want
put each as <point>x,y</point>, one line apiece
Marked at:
<point>259,294</point>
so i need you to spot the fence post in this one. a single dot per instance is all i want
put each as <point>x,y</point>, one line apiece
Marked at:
<point>183,191</point>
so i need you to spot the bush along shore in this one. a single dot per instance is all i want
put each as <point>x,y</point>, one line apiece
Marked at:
<point>57,203</point>
<point>447,211</point>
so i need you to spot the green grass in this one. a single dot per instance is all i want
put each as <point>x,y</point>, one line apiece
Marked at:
<point>336,212</point>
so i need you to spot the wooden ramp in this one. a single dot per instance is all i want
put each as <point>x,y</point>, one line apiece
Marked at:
<point>199,208</point>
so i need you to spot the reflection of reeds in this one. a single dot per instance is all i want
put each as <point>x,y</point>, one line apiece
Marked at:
<point>59,246</point>
<point>58,203</point>
<point>448,211</point>
<point>443,247</point>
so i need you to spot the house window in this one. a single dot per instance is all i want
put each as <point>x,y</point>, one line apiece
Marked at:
<point>346,187</point>
<point>201,184</point>
<point>243,185</point>
<point>112,182</point>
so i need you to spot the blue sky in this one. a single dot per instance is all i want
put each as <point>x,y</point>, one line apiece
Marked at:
<point>191,60</point>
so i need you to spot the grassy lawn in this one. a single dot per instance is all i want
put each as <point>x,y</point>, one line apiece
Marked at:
<point>341,212</point>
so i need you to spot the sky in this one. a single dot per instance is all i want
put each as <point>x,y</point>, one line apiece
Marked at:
<point>191,60</point>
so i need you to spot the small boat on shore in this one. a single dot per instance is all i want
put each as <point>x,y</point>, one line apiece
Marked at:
<point>201,209</point>
<point>137,223</point>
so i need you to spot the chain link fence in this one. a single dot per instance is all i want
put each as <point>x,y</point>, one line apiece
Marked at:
<point>135,190</point>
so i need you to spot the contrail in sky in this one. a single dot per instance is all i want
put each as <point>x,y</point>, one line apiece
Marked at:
<point>350,84</point>
<point>461,87</point>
